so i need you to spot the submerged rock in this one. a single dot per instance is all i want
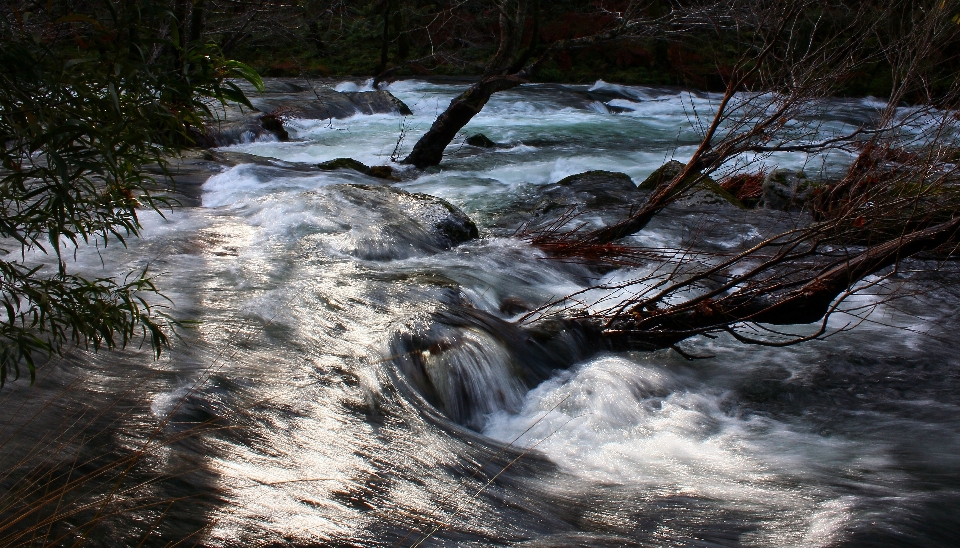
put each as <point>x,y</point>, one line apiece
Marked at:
<point>480,140</point>
<point>468,363</point>
<point>785,190</point>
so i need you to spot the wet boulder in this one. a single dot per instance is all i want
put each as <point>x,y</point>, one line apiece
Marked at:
<point>606,193</point>
<point>706,191</point>
<point>380,172</point>
<point>480,140</point>
<point>786,190</point>
<point>251,127</point>
<point>325,104</point>
<point>665,173</point>
<point>395,224</point>
<point>378,102</point>
<point>591,189</point>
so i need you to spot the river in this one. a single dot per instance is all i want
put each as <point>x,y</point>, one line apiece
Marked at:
<point>285,416</point>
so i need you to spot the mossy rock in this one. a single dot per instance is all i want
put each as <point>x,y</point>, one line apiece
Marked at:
<point>785,190</point>
<point>345,163</point>
<point>706,190</point>
<point>666,173</point>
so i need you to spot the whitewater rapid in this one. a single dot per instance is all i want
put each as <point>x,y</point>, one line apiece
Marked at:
<point>304,290</point>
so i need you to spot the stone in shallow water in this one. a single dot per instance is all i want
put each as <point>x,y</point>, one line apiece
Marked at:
<point>380,172</point>
<point>378,102</point>
<point>322,104</point>
<point>405,222</point>
<point>606,193</point>
<point>480,140</point>
<point>326,104</point>
<point>665,173</point>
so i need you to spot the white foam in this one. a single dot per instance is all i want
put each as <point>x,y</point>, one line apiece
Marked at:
<point>347,87</point>
<point>629,91</point>
<point>616,421</point>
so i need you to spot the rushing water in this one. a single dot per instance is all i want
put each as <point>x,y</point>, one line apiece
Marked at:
<point>289,413</point>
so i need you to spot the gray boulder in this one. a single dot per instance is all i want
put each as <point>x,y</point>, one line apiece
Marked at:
<point>602,194</point>
<point>327,103</point>
<point>786,190</point>
<point>591,190</point>
<point>378,102</point>
<point>324,104</point>
<point>405,222</point>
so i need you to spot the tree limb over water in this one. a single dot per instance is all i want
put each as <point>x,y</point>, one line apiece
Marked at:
<point>899,199</point>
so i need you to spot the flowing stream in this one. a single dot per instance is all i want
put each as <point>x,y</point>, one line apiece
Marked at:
<point>289,413</point>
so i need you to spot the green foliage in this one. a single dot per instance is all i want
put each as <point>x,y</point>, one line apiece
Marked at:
<point>87,100</point>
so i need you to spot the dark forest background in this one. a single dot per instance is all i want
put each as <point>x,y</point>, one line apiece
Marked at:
<point>456,38</point>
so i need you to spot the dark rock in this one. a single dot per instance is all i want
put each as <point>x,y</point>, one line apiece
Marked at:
<point>454,225</point>
<point>707,191</point>
<point>513,306</point>
<point>608,194</point>
<point>252,127</point>
<point>344,163</point>
<point>593,189</point>
<point>480,140</point>
<point>606,180</point>
<point>380,172</point>
<point>325,104</point>
<point>273,124</point>
<point>786,190</point>
<point>425,221</point>
<point>613,109</point>
<point>661,175</point>
<point>378,102</point>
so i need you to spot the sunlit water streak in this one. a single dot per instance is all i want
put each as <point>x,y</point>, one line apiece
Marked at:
<point>312,434</point>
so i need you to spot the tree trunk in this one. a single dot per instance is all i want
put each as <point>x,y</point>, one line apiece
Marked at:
<point>385,44</point>
<point>197,21</point>
<point>429,149</point>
